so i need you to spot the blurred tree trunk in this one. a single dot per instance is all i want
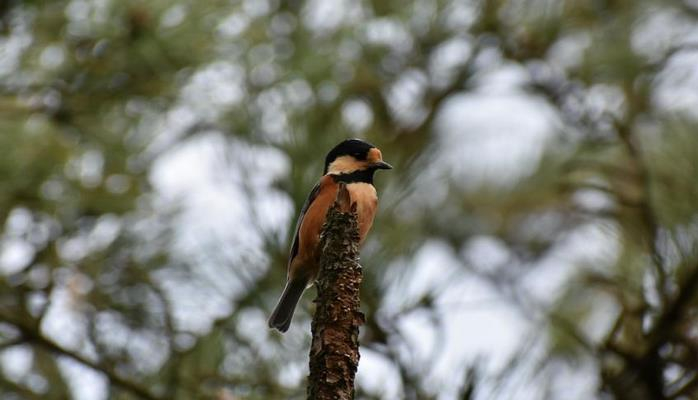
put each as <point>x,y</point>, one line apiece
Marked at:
<point>334,352</point>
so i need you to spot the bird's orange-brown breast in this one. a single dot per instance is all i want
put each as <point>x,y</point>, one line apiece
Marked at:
<point>363,194</point>
<point>366,199</point>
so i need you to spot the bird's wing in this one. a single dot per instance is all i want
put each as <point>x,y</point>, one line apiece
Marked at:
<point>311,197</point>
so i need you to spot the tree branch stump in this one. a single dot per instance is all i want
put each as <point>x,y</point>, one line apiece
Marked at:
<point>334,352</point>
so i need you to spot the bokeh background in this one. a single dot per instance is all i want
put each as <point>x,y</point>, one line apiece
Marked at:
<point>537,238</point>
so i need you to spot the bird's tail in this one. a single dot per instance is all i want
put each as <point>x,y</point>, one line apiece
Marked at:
<point>281,317</point>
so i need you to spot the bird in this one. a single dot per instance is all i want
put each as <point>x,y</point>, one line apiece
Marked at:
<point>353,162</point>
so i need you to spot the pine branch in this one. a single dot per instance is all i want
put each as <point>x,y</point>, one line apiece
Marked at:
<point>334,352</point>
<point>34,337</point>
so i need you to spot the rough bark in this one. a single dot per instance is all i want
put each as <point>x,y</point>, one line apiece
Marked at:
<point>334,352</point>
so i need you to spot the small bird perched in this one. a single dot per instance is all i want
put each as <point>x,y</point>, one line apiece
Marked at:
<point>353,162</point>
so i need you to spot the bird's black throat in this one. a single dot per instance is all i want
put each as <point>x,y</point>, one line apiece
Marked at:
<point>361,175</point>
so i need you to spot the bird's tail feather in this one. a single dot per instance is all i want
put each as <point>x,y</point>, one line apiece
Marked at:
<point>281,317</point>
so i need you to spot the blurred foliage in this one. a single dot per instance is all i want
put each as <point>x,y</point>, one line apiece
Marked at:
<point>106,277</point>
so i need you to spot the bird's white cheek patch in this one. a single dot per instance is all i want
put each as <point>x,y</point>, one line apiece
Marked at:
<point>345,164</point>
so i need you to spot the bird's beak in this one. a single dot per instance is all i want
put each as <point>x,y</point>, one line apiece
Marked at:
<point>382,165</point>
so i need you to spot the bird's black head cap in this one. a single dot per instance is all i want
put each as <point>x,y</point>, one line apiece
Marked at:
<point>356,148</point>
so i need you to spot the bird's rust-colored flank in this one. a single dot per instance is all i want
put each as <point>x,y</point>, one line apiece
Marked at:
<point>304,264</point>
